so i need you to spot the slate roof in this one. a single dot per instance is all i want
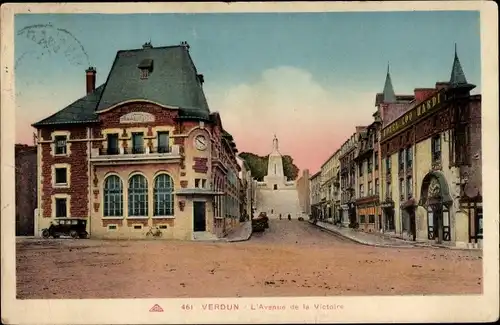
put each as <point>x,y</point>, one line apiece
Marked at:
<point>389,94</point>
<point>172,81</point>
<point>80,111</point>
<point>457,78</point>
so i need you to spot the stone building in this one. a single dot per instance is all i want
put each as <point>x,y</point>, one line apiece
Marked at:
<point>26,189</point>
<point>247,184</point>
<point>141,151</point>
<point>276,195</point>
<point>315,186</point>
<point>367,162</point>
<point>432,162</point>
<point>348,180</point>
<point>304,192</point>
<point>330,187</point>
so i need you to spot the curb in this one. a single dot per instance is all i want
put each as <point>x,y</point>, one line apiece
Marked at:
<point>360,241</point>
<point>240,239</point>
<point>411,245</point>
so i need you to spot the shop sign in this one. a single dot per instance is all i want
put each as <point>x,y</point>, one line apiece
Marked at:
<point>426,107</point>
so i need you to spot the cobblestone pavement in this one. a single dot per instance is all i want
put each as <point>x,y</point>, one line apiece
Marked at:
<point>291,258</point>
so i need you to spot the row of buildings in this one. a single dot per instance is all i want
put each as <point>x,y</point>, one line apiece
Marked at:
<point>142,150</point>
<point>413,172</point>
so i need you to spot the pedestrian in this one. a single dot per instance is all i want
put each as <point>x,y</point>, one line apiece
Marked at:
<point>289,217</point>
<point>280,216</point>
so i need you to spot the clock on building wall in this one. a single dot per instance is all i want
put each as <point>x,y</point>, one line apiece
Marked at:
<point>200,142</point>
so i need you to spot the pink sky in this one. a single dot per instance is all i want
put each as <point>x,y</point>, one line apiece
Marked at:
<point>310,121</point>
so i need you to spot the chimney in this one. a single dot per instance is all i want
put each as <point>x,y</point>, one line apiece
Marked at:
<point>90,79</point>
<point>147,45</point>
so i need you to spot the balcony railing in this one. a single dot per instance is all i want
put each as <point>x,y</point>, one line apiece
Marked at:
<point>160,152</point>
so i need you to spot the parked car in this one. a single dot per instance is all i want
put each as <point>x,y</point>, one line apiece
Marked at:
<point>260,223</point>
<point>74,227</point>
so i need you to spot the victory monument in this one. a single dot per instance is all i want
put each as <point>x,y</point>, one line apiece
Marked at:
<point>276,195</point>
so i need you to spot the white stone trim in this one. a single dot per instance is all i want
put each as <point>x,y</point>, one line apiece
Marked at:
<point>68,204</point>
<point>53,144</point>
<point>68,175</point>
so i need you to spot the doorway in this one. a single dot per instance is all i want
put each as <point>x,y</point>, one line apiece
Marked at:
<point>275,187</point>
<point>413,225</point>
<point>199,216</point>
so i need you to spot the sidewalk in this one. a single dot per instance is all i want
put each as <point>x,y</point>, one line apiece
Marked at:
<point>365,238</point>
<point>381,240</point>
<point>241,233</point>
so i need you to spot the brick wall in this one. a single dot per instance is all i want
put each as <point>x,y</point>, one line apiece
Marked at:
<point>26,189</point>
<point>475,170</point>
<point>78,161</point>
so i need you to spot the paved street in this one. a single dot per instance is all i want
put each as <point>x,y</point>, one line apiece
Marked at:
<point>291,258</point>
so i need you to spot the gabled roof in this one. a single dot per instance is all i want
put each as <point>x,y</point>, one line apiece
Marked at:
<point>172,82</point>
<point>80,111</point>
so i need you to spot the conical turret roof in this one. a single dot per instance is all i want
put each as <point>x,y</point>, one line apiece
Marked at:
<point>389,94</point>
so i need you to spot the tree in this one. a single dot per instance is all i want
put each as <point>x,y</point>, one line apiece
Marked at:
<point>258,166</point>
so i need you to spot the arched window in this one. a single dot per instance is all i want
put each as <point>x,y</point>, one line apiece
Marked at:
<point>138,196</point>
<point>113,196</point>
<point>163,195</point>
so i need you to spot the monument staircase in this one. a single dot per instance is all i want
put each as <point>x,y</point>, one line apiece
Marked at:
<point>284,201</point>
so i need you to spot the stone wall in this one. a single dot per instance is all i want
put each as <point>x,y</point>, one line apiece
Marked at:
<point>26,189</point>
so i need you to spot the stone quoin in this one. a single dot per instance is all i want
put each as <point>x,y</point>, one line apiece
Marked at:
<point>140,152</point>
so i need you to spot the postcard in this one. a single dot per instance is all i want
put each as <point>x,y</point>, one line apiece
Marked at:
<point>297,162</point>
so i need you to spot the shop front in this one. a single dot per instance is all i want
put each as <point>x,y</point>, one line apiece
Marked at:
<point>388,216</point>
<point>435,198</point>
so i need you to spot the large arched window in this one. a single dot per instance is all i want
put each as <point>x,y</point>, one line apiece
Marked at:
<point>138,196</point>
<point>163,195</point>
<point>113,196</point>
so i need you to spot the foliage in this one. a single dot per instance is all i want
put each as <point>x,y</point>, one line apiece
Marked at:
<point>258,165</point>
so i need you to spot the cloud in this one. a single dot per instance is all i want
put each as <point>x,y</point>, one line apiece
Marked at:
<point>310,119</point>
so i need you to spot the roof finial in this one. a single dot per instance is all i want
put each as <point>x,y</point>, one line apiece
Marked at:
<point>388,67</point>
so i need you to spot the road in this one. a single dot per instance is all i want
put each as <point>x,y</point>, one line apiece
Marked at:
<point>294,232</point>
<point>291,258</point>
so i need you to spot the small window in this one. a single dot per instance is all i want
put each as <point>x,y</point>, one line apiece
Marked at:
<point>203,183</point>
<point>138,227</point>
<point>376,160</point>
<point>362,219</point>
<point>163,139</point>
<point>137,142</point>
<point>111,227</point>
<point>401,160</point>
<point>60,145</point>
<point>409,157</point>
<point>112,144</point>
<point>74,222</point>
<point>377,184</point>
<point>197,182</point>
<point>436,149</point>
<point>144,73</point>
<point>371,218</point>
<point>61,176</point>
<point>163,227</point>
<point>61,210</point>
<point>409,187</point>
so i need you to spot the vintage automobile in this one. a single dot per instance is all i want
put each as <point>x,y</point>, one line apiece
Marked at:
<point>260,223</point>
<point>74,227</point>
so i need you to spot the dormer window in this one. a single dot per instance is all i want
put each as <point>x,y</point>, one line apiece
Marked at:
<point>146,67</point>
